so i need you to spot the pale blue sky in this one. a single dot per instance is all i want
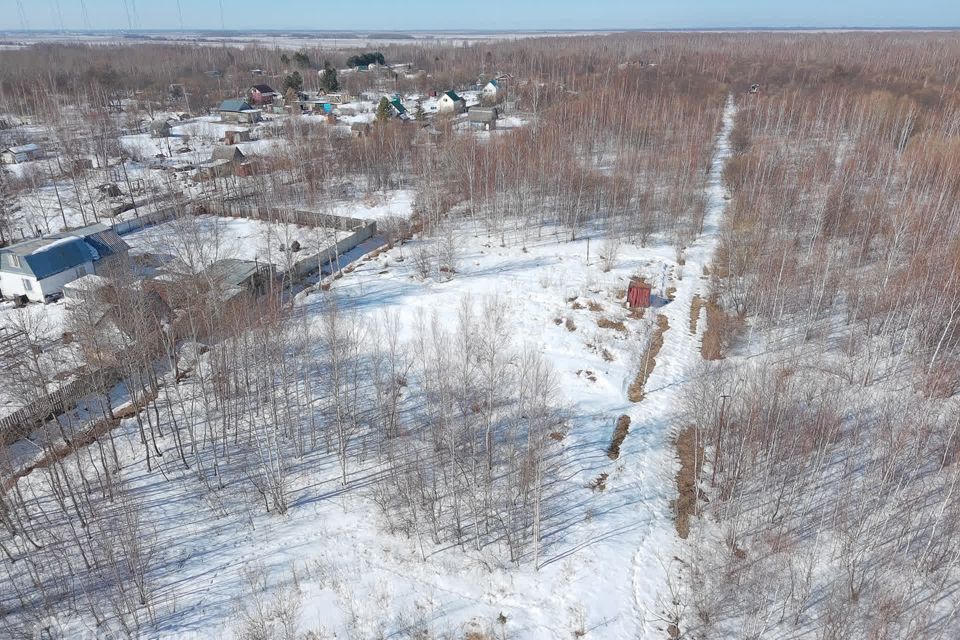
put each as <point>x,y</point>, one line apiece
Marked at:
<point>485,14</point>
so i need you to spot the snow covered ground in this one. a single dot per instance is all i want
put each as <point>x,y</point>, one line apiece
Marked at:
<point>45,324</point>
<point>377,206</point>
<point>239,238</point>
<point>602,569</point>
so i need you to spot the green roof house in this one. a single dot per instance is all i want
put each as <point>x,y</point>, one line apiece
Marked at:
<point>450,102</point>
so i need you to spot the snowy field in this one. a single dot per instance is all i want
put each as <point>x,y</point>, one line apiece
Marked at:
<point>280,39</point>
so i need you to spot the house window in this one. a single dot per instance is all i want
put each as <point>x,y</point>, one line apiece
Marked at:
<point>27,285</point>
<point>14,260</point>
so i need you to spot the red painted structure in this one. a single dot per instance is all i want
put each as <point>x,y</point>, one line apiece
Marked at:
<point>638,294</point>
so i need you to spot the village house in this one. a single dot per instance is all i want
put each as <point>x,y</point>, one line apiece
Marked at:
<point>490,92</point>
<point>22,153</point>
<point>483,117</point>
<point>224,160</point>
<point>229,279</point>
<point>235,136</point>
<point>450,102</point>
<point>40,267</point>
<point>263,94</point>
<point>238,111</point>
<point>398,110</point>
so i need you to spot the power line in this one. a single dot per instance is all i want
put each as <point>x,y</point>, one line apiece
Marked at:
<point>24,23</point>
<point>222,26</point>
<point>126,8</point>
<point>180,13</point>
<point>136,14</point>
<point>84,14</point>
<point>56,13</point>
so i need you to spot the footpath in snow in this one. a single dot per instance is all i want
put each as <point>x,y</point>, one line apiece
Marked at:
<point>651,458</point>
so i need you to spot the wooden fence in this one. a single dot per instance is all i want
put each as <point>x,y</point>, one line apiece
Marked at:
<point>22,421</point>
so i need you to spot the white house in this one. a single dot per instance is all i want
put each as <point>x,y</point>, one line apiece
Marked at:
<point>40,267</point>
<point>450,102</point>
<point>490,91</point>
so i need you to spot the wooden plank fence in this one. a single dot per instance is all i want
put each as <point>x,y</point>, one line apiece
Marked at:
<point>21,422</point>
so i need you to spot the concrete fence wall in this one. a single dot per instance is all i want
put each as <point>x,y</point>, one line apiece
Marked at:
<point>360,230</point>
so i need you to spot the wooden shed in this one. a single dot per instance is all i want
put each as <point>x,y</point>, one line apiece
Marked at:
<point>638,294</point>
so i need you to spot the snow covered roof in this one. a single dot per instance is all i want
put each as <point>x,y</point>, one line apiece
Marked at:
<point>88,282</point>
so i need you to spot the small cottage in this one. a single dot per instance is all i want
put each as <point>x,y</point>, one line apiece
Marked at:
<point>450,102</point>
<point>19,154</point>
<point>231,154</point>
<point>262,94</point>
<point>398,110</point>
<point>224,161</point>
<point>238,111</point>
<point>235,136</point>
<point>483,117</point>
<point>490,91</point>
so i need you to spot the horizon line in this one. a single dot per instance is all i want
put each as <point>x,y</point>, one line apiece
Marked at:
<point>427,31</point>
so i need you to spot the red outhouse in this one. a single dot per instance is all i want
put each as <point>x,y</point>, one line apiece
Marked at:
<point>638,294</point>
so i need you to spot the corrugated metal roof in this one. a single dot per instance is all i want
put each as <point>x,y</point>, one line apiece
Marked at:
<point>235,105</point>
<point>478,114</point>
<point>53,254</point>
<point>234,272</point>
<point>24,148</point>
<point>107,243</point>
<point>58,255</point>
<point>453,96</point>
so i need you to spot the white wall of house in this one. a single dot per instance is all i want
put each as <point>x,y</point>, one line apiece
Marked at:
<point>447,105</point>
<point>490,90</point>
<point>16,284</point>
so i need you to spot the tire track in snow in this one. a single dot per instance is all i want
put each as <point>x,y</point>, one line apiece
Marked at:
<point>654,461</point>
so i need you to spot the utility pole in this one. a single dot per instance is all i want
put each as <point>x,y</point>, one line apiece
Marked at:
<point>716,449</point>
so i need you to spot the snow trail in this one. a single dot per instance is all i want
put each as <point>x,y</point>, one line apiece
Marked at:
<point>654,420</point>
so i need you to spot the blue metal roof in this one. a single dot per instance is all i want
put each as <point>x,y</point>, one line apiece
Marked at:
<point>59,255</point>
